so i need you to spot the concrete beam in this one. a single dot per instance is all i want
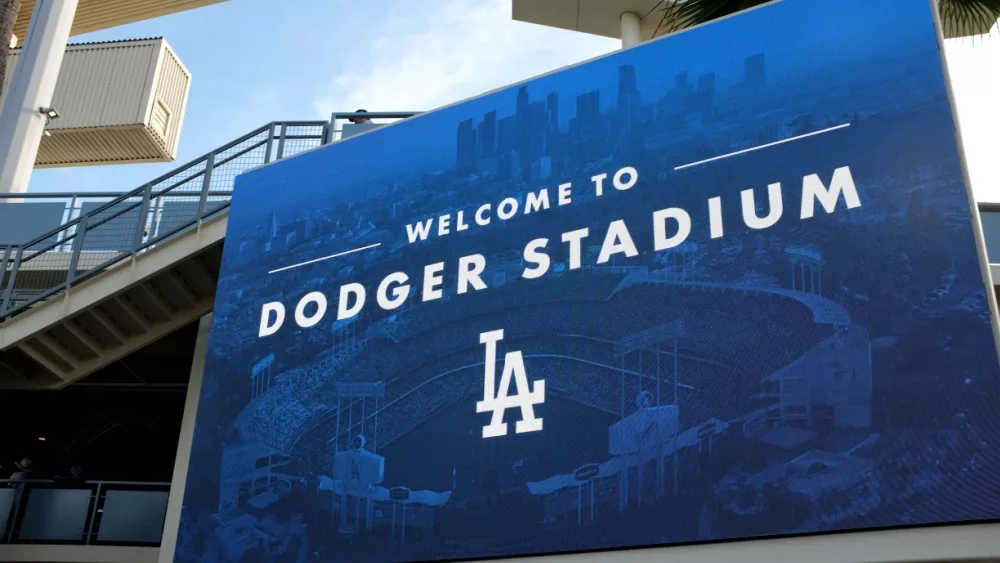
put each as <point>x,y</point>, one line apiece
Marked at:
<point>597,17</point>
<point>22,118</point>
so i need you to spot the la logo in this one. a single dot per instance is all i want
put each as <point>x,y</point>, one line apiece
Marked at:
<point>525,399</point>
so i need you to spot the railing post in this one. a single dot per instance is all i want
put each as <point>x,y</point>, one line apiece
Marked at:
<point>16,512</point>
<point>72,208</point>
<point>8,295</point>
<point>328,131</point>
<point>333,126</point>
<point>73,202</point>
<point>81,233</point>
<point>93,514</point>
<point>206,185</point>
<point>140,230</point>
<point>3,275</point>
<point>270,143</point>
<point>3,263</point>
<point>281,142</point>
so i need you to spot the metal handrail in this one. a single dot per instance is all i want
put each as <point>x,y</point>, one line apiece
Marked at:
<point>91,528</point>
<point>69,241</point>
<point>138,215</point>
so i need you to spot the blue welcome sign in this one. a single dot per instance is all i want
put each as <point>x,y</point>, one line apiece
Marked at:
<point>722,285</point>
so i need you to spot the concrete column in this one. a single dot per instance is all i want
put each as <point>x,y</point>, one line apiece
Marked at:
<point>631,26</point>
<point>175,501</point>
<point>31,88</point>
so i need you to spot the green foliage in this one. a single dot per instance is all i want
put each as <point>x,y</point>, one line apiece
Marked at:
<point>960,17</point>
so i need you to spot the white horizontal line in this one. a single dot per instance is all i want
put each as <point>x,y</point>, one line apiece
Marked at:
<point>313,261</point>
<point>751,149</point>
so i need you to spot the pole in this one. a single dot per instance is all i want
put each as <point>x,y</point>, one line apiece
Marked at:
<point>623,385</point>
<point>579,505</point>
<point>678,411</point>
<point>659,455</point>
<point>657,374</point>
<point>336,435</point>
<point>592,499</point>
<point>640,371</point>
<point>631,29</point>
<point>31,88</point>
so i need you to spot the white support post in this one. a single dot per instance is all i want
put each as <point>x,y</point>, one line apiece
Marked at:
<point>631,29</point>
<point>175,500</point>
<point>31,89</point>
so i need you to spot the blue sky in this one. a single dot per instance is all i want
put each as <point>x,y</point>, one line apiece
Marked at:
<point>254,61</point>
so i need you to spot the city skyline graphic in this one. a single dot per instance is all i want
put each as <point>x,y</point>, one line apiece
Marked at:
<point>779,327</point>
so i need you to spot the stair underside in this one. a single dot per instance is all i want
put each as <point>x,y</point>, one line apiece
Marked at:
<point>117,312</point>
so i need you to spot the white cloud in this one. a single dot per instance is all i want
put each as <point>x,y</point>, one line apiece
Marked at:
<point>452,50</point>
<point>974,67</point>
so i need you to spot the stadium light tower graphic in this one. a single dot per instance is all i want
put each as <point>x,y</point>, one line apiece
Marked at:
<point>651,425</point>
<point>356,470</point>
<point>807,268</point>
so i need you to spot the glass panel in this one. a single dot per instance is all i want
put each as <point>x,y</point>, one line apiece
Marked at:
<point>55,514</point>
<point>351,129</point>
<point>22,222</point>
<point>6,507</point>
<point>112,229</point>
<point>991,233</point>
<point>133,516</point>
<point>176,211</point>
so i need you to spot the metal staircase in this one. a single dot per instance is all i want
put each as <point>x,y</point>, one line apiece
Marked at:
<point>123,274</point>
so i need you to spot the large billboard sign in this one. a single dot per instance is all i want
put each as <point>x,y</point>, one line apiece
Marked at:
<point>723,285</point>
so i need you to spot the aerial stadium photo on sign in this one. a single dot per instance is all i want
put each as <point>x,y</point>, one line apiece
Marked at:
<point>723,285</point>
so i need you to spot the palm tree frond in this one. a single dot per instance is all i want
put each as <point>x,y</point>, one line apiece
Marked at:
<point>959,17</point>
<point>681,14</point>
<point>962,18</point>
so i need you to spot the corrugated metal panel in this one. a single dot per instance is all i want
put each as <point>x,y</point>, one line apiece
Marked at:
<point>92,15</point>
<point>79,147</point>
<point>171,90</point>
<point>102,85</point>
<point>106,94</point>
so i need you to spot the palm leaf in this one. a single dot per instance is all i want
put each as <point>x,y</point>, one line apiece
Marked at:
<point>968,17</point>
<point>959,17</point>
<point>682,14</point>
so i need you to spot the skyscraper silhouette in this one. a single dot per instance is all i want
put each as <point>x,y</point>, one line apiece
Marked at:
<point>465,158</point>
<point>588,106</point>
<point>628,90</point>
<point>754,71</point>
<point>487,135</point>
<point>552,111</point>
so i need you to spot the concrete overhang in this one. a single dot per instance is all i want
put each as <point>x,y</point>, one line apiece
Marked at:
<point>94,15</point>
<point>597,17</point>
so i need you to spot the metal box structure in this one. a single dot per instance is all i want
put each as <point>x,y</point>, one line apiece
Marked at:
<point>119,102</point>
